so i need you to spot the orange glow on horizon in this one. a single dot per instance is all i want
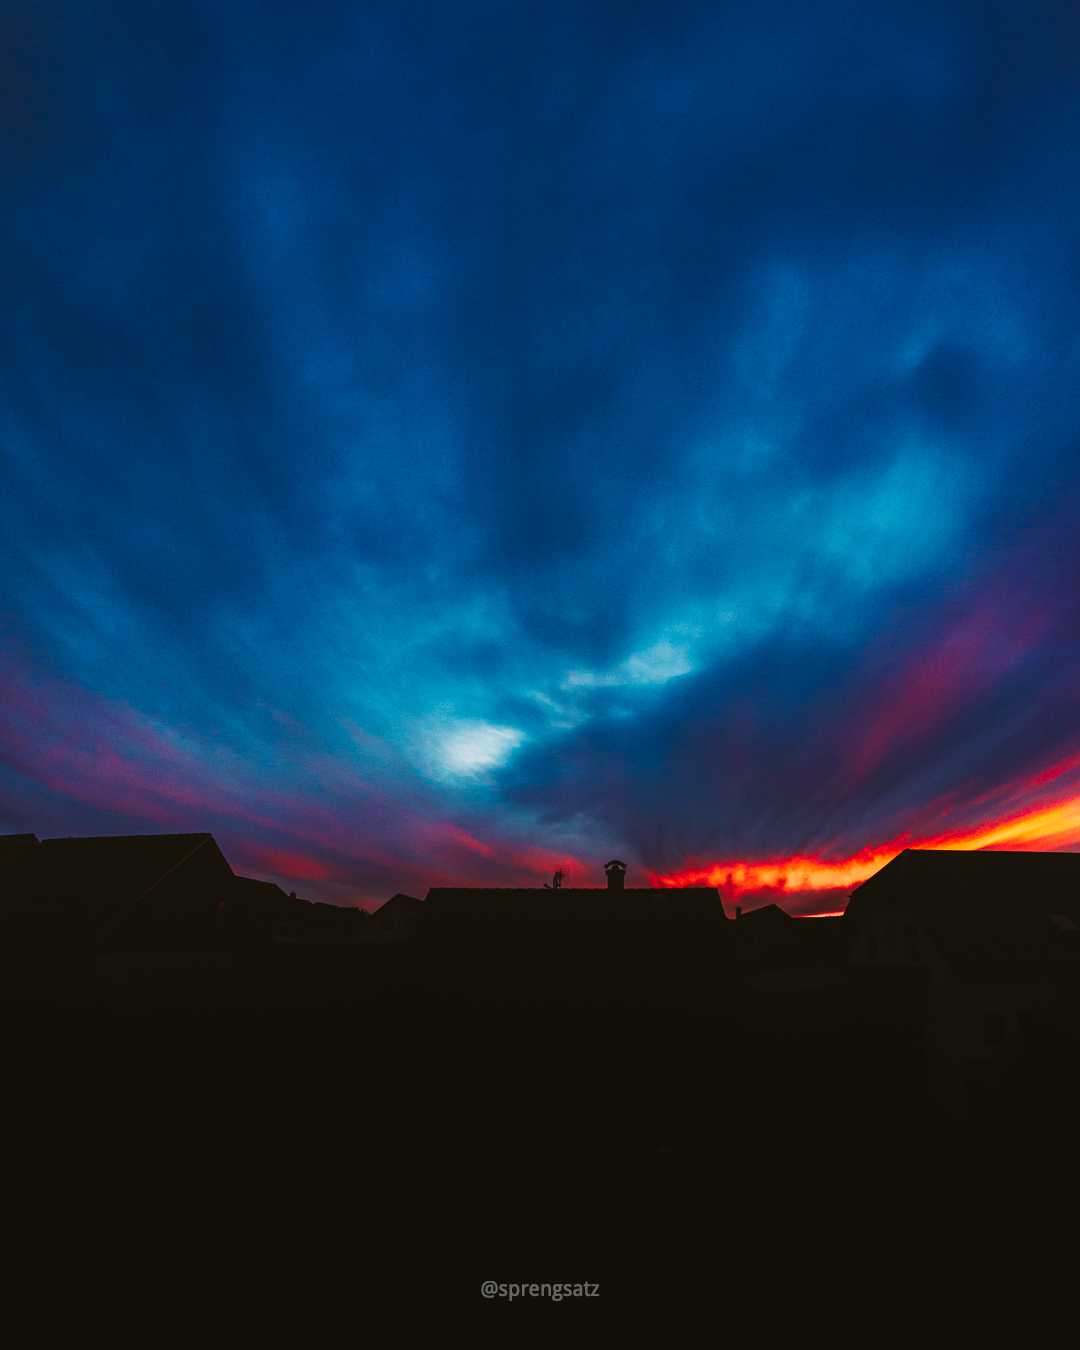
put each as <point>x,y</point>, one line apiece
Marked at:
<point>1051,827</point>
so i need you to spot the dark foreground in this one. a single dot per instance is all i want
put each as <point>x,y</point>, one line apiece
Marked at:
<point>347,1165</point>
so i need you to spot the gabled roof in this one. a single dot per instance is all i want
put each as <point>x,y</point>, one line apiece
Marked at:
<point>983,908</point>
<point>765,916</point>
<point>409,900</point>
<point>73,891</point>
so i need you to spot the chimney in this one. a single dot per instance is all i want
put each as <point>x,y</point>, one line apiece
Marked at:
<point>616,875</point>
<point>738,911</point>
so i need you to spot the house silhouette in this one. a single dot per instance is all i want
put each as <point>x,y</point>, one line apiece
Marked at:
<point>292,921</point>
<point>612,932</point>
<point>988,943</point>
<point>778,952</point>
<point>129,894</point>
<point>393,921</point>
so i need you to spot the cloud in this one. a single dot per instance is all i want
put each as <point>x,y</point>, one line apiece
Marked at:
<point>578,434</point>
<point>467,749</point>
<point>655,665</point>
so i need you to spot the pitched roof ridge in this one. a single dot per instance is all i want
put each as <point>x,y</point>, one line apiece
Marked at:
<point>157,881</point>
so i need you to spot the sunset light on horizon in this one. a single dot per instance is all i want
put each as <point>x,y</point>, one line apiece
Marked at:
<point>1051,828</point>
<point>445,445</point>
<point>490,495</point>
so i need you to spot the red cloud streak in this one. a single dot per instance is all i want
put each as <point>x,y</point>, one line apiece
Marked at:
<point>802,877</point>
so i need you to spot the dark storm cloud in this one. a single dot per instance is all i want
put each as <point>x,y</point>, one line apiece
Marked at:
<point>620,394</point>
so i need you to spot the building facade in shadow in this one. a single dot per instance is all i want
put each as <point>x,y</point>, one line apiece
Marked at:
<point>988,943</point>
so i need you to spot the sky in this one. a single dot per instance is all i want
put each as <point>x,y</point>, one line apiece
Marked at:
<point>443,442</point>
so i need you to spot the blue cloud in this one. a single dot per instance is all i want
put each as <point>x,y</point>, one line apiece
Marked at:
<point>542,415</point>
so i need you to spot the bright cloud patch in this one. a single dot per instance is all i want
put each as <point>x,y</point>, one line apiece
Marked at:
<point>656,665</point>
<point>470,748</point>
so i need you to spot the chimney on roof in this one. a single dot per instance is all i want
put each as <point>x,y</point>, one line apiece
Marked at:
<point>616,875</point>
<point>738,911</point>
